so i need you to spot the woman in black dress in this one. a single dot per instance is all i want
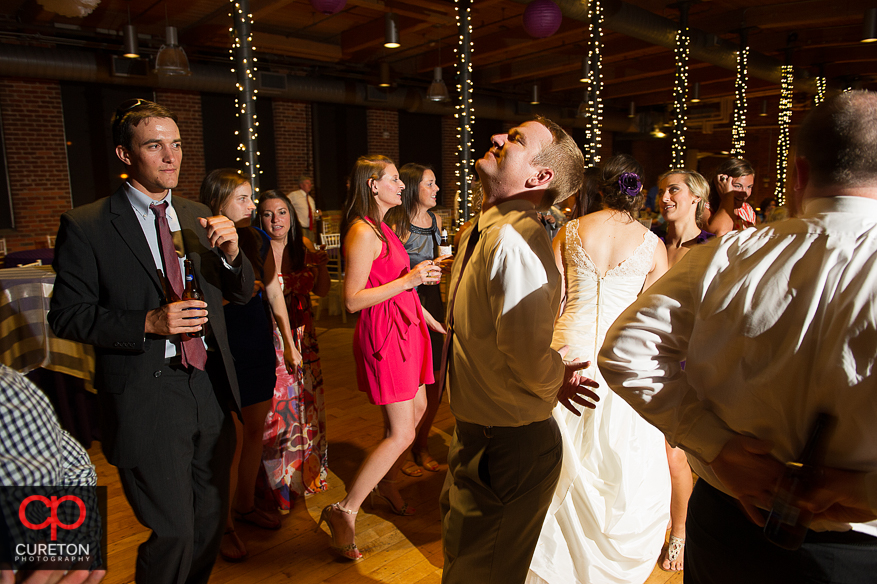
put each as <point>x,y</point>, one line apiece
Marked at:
<point>250,338</point>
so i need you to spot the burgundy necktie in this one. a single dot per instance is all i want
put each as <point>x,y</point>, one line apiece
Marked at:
<point>191,350</point>
<point>447,346</point>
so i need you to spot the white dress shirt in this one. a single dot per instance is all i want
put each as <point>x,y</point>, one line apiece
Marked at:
<point>774,324</point>
<point>141,202</point>
<point>300,202</point>
<point>503,371</point>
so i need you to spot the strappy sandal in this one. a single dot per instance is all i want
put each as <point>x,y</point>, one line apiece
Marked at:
<point>346,552</point>
<point>404,511</point>
<point>675,549</point>
<point>412,470</point>
<point>426,461</point>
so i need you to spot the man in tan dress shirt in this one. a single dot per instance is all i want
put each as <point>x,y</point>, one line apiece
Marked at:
<point>504,378</point>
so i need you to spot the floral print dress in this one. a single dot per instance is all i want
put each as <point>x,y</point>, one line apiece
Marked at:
<point>294,452</point>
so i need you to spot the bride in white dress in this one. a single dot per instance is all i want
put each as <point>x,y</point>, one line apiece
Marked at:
<point>610,511</point>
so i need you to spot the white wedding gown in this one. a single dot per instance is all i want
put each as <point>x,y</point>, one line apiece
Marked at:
<point>610,511</point>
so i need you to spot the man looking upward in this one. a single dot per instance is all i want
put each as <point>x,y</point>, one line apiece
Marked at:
<point>503,378</point>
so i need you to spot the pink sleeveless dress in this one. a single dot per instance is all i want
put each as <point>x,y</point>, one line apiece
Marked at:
<point>391,343</point>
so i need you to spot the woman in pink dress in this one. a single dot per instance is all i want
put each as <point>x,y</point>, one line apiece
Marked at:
<point>391,343</point>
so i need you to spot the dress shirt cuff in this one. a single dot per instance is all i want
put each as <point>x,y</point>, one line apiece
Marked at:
<point>707,437</point>
<point>228,266</point>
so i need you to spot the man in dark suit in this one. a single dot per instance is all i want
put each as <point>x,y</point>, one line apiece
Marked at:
<point>166,398</point>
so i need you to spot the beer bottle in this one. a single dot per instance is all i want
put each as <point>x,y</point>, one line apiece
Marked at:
<point>192,292</point>
<point>444,245</point>
<point>787,523</point>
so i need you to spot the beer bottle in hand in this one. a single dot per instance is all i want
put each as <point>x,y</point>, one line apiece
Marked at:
<point>787,524</point>
<point>192,292</point>
<point>445,246</point>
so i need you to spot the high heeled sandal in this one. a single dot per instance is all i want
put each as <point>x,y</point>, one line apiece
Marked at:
<point>346,552</point>
<point>404,511</point>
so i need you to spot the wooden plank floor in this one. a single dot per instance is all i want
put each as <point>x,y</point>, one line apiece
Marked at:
<point>398,550</point>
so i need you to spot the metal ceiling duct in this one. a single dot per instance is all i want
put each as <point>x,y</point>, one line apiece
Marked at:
<point>68,64</point>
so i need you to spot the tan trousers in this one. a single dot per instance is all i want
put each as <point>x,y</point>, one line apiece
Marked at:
<point>497,491</point>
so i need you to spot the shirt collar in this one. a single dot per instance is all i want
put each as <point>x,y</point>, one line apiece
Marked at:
<point>498,211</point>
<point>855,205</point>
<point>141,201</point>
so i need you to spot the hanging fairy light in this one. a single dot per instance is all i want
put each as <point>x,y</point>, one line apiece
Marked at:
<point>785,118</point>
<point>821,84</point>
<point>680,92</point>
<point>464,114</point>
<point>244,66</point>
<point>595,85</point>
<point>738,130</point>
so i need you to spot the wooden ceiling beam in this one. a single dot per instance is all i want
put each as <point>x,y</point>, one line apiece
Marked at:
<point>784,15</point>
<point>264,9</point>
<point>504,45</point>
<point>396,8</point>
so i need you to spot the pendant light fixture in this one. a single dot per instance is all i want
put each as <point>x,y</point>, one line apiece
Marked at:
<point>391,32</point>
<point>171,58</point>
<point>695,92</point>
<point>438,91</point>
<point>130,48</point>
<point>869,30</point>
<point>384,75</point>
<point>586,69</point>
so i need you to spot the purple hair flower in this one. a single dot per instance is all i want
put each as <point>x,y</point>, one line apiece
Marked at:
<point>630,184</point>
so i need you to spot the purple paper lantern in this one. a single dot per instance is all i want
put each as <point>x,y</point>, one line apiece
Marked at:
<point>328,6</point>
<point>542,18</point>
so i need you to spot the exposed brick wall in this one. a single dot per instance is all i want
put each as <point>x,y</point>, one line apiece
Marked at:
<point>187,106</point>
<point>448,183</point>
<point>33,128</point>
<point>293,139</point>
<point>383,132</point>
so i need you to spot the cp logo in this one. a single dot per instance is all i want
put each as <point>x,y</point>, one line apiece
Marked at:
<point>53,520</point>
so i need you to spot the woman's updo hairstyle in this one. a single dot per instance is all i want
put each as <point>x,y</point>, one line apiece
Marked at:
<point>621,181</point>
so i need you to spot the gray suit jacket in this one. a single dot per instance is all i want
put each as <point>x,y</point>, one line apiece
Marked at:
<point>106,283</point>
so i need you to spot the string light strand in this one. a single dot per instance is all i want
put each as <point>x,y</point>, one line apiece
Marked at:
<point>785,118</point>
<point>244,66</point>
<point>464,112</point>
<point>680,95</point>
<point>821,85</point>
<point>595,86</point>
<point>738,130</point>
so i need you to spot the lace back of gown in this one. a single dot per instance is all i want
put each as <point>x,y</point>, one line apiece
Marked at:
<point>607,521</point>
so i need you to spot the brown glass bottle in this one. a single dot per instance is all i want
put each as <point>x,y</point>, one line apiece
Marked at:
<point>787,523</point>
<point>192,292</point>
